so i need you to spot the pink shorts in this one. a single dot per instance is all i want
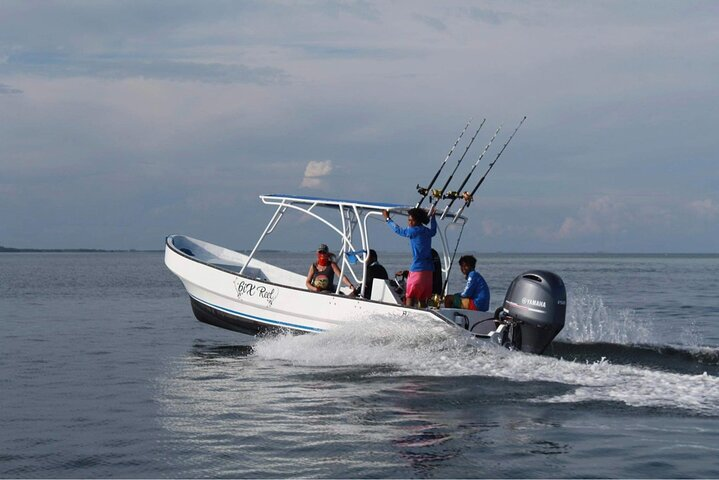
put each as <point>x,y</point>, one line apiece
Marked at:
<point>419,285</point>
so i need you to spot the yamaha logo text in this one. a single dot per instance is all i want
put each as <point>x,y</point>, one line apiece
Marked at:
<point>534,303</point>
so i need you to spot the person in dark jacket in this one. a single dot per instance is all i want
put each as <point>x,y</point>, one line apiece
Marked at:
<point>374,270</point>
<point>436,274</point>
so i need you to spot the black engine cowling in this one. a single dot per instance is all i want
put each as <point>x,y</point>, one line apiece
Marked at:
<point>533,311</point>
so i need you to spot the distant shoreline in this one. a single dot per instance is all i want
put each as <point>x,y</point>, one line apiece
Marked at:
<point>519,254</point>
<point>70,250</point>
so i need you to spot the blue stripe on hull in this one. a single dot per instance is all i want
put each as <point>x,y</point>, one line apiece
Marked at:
<point>267,321</point>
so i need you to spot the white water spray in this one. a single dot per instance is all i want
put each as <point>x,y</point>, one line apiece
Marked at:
<point>589,320</point>
<point>413,349</point>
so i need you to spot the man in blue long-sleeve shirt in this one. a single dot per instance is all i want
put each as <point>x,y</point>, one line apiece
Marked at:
<point>475,295</point>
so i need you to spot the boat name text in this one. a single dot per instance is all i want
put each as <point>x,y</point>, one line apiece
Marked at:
<point>260,291</point>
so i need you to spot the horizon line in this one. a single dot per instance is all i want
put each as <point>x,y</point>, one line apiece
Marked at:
<point>4,249</point>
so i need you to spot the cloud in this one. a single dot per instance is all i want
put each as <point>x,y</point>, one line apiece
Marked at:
<point>345,52</point>
<point>8,90</point>
<point>314,172</point>
<point>431,22</point>
<point>8,192</point>
<point>69,66</point>
<point>492,17</point>
<point>706,208</point>
<point>602,215</point>
<point>493,228</point>
<point>207,201</point>
<point>619,216</point>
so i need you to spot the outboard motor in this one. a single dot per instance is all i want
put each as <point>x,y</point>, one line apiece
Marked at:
<point>533,312</point>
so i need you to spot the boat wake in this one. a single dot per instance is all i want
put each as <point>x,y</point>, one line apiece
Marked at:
<point>688,360</point>
<point>599,371</point>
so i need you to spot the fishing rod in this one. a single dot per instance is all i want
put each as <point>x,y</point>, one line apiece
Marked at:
<point>424,191</point>
<point>456,194</point>
<point>437,194</point>
<point>469,196</point>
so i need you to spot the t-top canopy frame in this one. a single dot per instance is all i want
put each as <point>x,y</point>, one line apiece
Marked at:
<point>353,215</point>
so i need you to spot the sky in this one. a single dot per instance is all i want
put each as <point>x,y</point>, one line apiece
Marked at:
<point>123,122</point>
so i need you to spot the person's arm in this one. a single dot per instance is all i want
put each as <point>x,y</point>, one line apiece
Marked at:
<point>469,289</point>
<point>338,272</point>
<point>404,232</point>
<point>432,224</point>
<point>308,281</point>
<point>482,298</point>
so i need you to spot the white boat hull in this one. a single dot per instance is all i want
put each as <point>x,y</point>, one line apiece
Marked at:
<point>251,303</point>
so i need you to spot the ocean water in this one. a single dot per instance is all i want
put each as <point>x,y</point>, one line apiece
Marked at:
<point>104,372</point>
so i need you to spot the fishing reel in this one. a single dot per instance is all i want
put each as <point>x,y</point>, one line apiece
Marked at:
<point>435,192</point>
<point>466,196</point>
<point>436,301</point>
<point>451,195</point>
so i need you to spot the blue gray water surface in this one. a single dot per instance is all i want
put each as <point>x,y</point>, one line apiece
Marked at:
<point>104,372</point>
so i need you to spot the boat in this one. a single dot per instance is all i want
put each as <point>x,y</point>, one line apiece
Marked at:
<point>239,292</point>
